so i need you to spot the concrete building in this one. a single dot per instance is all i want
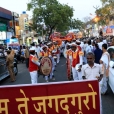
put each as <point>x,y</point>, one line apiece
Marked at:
<point>23,19</point>
<point>26,32</point>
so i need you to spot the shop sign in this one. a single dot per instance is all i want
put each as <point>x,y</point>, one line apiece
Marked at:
<point>2,35</point>
<point>2,27</point>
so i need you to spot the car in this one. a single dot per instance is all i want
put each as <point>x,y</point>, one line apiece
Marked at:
<point>3,69</point>
<point>111,69</point>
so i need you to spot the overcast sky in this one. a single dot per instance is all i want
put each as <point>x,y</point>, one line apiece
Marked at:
<point>82,8</point>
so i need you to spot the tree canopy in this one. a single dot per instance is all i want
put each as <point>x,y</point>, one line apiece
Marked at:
<point>53,14</point>
<point>50,12</point>
<point>104,13</point>
<point>77,24</point>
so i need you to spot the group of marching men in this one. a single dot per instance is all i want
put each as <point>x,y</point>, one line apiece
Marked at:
<point>77,64</point>
<point>88,59</point>
<point>75,53</point>
<point>49,49</point>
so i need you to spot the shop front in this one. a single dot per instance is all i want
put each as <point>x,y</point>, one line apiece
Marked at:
<point>3,29</point>
<point>5,17</point>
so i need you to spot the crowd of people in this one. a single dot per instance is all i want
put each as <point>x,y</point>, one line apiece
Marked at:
<point>86,59</point>
<point>89,59</point>
<point>81,56</point>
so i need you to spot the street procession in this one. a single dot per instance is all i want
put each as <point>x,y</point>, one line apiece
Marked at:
<point>57,57</point>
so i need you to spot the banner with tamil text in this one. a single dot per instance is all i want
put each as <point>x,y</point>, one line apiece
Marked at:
<point>54,98</point>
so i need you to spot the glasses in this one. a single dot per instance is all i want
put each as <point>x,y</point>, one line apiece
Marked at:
<point>89,58</point>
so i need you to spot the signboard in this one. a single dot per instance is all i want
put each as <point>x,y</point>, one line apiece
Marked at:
<point>2,27</point>
<point>14,40</point>
<point>54,98</point>
<point>2,35</point>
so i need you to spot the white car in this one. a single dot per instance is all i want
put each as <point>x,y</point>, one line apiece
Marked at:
<point>111,70</point>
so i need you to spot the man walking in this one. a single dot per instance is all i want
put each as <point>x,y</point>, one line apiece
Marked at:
<point>104,61</point>
<point>92,71</point>
<point>10,66</point>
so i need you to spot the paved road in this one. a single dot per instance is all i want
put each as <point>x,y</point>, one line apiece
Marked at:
<point>23,77</point>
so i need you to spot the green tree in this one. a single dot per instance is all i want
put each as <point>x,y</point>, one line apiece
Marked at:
<point>104,14</point>
<point>77,24</point>
<point>104,2</point>
<point>50,12</point>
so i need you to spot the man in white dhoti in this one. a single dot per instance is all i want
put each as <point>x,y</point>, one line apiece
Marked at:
<point>104,61</point>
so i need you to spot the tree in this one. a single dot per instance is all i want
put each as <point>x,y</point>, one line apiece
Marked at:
<point>50,12</point>
<point>107,1</point>
<point>87,19</point>
<point>104,14</point>
<point>77,24</point>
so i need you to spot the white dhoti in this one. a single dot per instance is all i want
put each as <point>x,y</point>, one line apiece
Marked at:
<point>80,75</point>
<point>75,74</point>
<point>34,77</point>
<point>58,58</point>
<point>104,85</point>
<point>53,67</point>
<point>46,78</point>
<point>105,59</point>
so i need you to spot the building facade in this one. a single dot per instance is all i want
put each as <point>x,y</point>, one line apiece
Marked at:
<point>5,17</point>
<point>26,32</point>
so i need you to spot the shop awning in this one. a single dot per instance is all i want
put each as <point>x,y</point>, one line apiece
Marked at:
<point>112,27</point>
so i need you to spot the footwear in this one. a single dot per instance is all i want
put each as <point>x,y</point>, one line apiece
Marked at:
<point>13,80</point>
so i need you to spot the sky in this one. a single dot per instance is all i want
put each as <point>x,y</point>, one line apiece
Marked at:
<point>82,8</point>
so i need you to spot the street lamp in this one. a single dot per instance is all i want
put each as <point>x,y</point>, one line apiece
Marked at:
<point>96,19</point>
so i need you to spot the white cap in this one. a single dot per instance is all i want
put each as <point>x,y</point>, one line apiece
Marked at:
<point>68,44</point>
<point>32,48</point>
<point>74,44</point>
<point>78,41</point>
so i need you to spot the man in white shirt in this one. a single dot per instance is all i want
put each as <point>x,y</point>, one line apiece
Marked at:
<point>100,44</point>
<point>92,71</point>
<point>104,61</point>
<point>89,48</point>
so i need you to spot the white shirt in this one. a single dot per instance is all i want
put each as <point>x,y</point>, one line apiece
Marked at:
<point>89,49</point>
<point>100,45</point>
<point>106,59</point>
<point>92,73</point>
<point>82,46</point>
<point>85,46</point>
<point>104,41</point>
